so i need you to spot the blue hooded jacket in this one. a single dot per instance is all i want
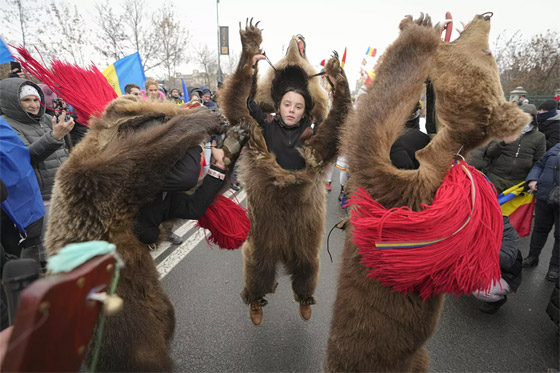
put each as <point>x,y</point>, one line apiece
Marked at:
<point>543,172</point>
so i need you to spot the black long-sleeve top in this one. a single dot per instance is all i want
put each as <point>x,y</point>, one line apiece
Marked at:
<point>281,140</point>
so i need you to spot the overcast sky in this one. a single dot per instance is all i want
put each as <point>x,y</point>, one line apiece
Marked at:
<point>329,25</point>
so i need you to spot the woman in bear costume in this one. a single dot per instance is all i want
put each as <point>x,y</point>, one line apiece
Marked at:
<point>284,182</point>
<point>375,328</point>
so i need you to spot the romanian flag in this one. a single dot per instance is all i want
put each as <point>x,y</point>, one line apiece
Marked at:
<point>371,52</point>
<point>343,62</point>
<point>5,55</point>
<point>370,77</point>
<point>126,70</point>
<point>519,206</point>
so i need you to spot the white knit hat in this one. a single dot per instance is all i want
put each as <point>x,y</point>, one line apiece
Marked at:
<point>28,90</point>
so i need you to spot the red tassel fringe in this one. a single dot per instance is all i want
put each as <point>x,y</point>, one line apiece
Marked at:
<point>87,90</point>
<point>464,260</point>
<point>227,222</point>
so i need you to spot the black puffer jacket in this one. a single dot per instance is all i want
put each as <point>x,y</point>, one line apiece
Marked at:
<point>47,153</point>
<point>403,151</point>
<point>513,161</point>
<point>508,164</point>
<point>551,128</point>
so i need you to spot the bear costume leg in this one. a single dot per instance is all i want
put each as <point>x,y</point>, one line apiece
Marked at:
<point>304,279</point>
<point>305,275</point>
<point>259,270</point>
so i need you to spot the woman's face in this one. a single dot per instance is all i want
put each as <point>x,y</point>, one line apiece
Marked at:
<point>292,108</point>
<point>153,91</point>
<point>31,104</point>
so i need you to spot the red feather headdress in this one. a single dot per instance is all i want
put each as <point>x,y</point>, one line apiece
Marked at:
<point>87,90</point>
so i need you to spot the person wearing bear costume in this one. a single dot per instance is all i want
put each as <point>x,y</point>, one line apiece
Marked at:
<point>98,193</point>
<point>283,167</point>
<point>375,328</point>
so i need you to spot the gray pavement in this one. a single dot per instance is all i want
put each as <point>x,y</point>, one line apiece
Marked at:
<point>214,333</point>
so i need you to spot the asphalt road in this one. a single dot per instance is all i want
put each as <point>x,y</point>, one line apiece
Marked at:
<point>214,332</point>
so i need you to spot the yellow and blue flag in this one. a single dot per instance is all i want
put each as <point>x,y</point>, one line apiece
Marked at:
<point>519,206</point>
<point>5,55</point>
<point>124,71</point>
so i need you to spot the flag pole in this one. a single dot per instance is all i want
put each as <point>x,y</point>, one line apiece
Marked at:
<point>218,30</point>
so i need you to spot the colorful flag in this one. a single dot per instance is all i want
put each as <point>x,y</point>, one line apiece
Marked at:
<point>5,55</point>
<point>343,62</point>
<point>519,206</point>
<point>370,77</point>
<point>364,62</point>
<point>186,96</point>
<point>124,71</point>
<point>371,52</point>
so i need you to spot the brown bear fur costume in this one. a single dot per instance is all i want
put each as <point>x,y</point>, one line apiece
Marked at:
<point>119,166</point>
<point>374,329</point>
<point>286,208</point>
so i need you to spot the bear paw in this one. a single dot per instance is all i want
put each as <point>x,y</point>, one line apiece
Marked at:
<point>251,37</point>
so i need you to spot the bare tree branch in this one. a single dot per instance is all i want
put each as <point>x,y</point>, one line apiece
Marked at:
<point>207,59</point>
<point>533,64</point>
<point>171,39</point>
<point>111,40</point>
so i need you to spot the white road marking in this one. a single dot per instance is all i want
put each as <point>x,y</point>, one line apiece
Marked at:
<point>190,243</point>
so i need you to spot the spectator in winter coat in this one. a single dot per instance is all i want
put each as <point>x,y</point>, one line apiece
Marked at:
<point>174,96</point>
<point>510,266</point>
<point>206,101</point>
<point>132,89</point>
<point>548,119</point>
<point>544,175</point>
<point>22,105</point>
<point>507,162</point>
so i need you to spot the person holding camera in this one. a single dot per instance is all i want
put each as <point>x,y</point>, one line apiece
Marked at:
<point>22,106</point>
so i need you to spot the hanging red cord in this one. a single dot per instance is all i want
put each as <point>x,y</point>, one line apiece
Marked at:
<point>227,222</point>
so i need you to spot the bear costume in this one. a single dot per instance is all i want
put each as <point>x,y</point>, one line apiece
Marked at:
<point>374,328</point>
<point>120,166</point>
<point>286,207</point>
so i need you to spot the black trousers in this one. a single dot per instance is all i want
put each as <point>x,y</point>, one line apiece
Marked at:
<point>546,217</point>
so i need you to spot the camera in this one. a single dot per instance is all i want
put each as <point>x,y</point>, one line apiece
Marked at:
<point>59,105</point>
